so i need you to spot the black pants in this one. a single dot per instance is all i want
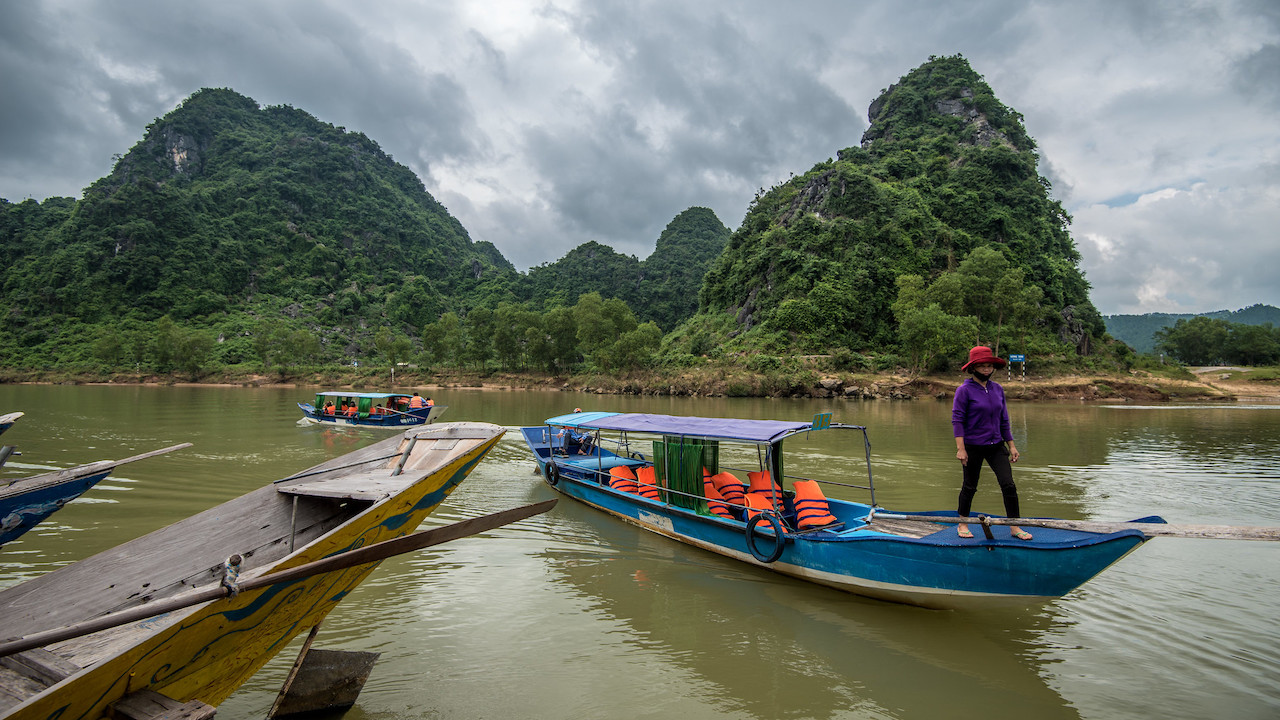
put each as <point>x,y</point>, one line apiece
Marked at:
<point>997,456</point>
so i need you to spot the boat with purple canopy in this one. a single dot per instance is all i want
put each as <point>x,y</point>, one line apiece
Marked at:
<point>721,485</point>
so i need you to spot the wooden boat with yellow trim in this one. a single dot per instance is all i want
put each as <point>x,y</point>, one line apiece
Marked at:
<point>206,651</point>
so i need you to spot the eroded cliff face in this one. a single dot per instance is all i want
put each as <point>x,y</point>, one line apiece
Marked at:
<point>183,151</point>
<point>962,106</point>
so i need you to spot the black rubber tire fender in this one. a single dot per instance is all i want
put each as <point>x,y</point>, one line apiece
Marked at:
<point>778,535</point>
<point>551,472</point>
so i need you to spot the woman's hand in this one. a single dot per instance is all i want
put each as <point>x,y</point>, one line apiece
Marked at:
<point>963,456</point>
<point>1013,452</point>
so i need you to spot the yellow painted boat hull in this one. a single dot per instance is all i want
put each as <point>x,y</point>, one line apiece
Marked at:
<point>206,652</point>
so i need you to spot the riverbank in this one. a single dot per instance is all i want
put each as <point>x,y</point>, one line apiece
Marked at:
<point>1201,384</point>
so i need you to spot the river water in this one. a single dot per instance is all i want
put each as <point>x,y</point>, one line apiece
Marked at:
<point>573,614</point>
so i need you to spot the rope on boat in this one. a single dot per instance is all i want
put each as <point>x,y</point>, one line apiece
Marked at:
<point>231,575</point>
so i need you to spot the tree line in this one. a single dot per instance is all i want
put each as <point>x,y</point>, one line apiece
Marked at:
<point>1204,340</point>
<point>595,333</point>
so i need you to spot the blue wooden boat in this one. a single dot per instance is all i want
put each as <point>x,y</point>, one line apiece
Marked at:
<point>916,558</point>
<point>376,409</point>
<point>8,419</point>
<point>25,502</point>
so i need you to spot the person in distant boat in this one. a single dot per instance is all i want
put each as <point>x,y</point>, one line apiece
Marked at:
<point>417,402</point>
<point>980,421</point>
<point>430,403</point>
<point>328,408</point>
<point>574,441</point>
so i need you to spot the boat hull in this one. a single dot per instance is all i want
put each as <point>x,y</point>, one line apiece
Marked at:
<point>206,652</point>
<point>19,513</point>
<point>410,418</point>
<point>940,570</point>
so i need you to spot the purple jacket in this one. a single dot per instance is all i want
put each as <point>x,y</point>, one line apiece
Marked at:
<point>979,415</point>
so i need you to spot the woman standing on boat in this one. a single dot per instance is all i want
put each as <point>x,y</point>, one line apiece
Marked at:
<point>980,420</point>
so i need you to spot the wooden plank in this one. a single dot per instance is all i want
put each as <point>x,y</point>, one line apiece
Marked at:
<point>40,665</point>
<point>255,525</point>
<point>904,528</point>
<point>371,486</point>
<point>351,558</point>
<point>151,705</point>
<point>1209,532</point>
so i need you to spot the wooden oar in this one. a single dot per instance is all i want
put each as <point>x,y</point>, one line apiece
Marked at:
<point>360,556</point>
<point>1214,532</point>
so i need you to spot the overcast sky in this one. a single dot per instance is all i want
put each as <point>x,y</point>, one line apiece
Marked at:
<point>543,125</point>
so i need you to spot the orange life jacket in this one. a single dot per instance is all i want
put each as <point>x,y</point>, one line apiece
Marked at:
<point>715,501</point>
<point>621,478</point>
<point>646,482</point>
<point>416,402</point>
<point>812,509</point>
<point>730,489</point>
<point>762,485</point>
<point>757,502</point>
<point>351,411</point>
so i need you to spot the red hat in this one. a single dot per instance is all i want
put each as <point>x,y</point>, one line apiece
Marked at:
<point>982,354</point>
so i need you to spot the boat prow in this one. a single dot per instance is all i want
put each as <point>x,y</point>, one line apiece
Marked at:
<point>26,502</point>
<point>8,419</point>
<point>206,651</point>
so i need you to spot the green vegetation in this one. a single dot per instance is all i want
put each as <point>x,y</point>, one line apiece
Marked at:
<point>235,235</point>
<point>1139,331</point>
<point>1211,341</point>
<point>661,288</point>
<point>944,193</point>
<point>602,333</point>
<point>237,240</point>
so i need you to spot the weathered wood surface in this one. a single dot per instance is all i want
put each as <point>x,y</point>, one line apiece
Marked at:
<point>1213,532</point>
<point>213,653</point>
<point>904,528</point>
<point>371,486</point>
<point>360,556</point>
<point>24,674</point>
<point>151,705</point>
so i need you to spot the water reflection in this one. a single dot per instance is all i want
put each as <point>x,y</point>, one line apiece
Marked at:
<point>769,646</point>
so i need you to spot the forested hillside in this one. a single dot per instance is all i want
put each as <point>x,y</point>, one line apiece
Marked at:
<point>662,288</point>
<point>942,195</point>
<point>227,215</point>
<point>233,233</point>
<point>237,235</point>
<point>1139,331</point>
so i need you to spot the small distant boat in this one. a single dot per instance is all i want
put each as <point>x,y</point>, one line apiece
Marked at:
<point>251,555</point>
<point>683,477</point>
<point>25,502</point>
<point>7,420</point>
<point>377,409</point>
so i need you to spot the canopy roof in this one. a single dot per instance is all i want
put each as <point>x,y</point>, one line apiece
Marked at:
<point>374,395</point>
<point>765,431</point>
